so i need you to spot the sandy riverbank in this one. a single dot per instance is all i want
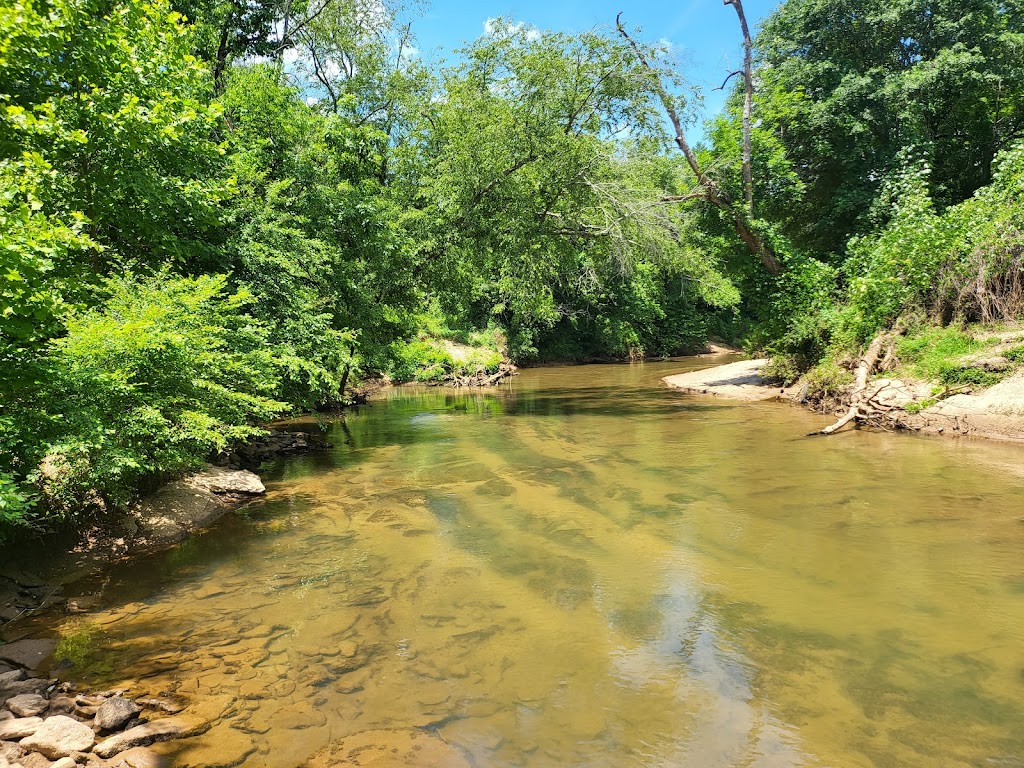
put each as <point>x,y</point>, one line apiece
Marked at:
<point>994,413</point>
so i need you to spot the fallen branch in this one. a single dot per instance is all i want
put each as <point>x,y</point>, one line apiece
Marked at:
<point>858,400</point>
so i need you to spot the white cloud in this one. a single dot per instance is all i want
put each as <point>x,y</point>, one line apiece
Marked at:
<point>495,25</point>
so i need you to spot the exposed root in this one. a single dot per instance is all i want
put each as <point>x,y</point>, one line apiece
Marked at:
<point>862,407</point>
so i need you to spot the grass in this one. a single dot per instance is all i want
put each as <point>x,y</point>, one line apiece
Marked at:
<point>938,354</point>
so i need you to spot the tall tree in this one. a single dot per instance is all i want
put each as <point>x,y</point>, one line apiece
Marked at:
<point>855,89</point>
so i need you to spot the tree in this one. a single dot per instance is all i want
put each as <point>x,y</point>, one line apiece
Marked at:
<point>527,199</point>
<point>707,188</point>
<point>849,88</point>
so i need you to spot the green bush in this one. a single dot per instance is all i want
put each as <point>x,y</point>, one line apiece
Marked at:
<point>163,372</point>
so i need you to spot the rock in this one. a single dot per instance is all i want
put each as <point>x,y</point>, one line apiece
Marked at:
<point>27,653</point>
<point>171,706</point>
<point>220,480</point>
<point>62,705</point>
<point>32,685</point>
<point>412,749</point>
<point>11,730</point>
<point>82,604</point>
<point>11,752</point>
<point>175,510</point>
<point>7,678</point>
<point>59,736</point>
<point>144,735</point>
<point>27,704</point>
<point>115,712</point>
<point>5,715</point>
<point>35,760</point>
<point>138,757</point>
<point>65,762</point>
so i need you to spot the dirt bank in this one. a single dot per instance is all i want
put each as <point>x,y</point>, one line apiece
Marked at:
<point>995,413</point>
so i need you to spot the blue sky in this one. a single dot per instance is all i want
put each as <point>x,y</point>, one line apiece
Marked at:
<point>704,32</point>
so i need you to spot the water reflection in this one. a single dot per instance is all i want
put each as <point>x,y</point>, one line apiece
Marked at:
<point>583,568</point>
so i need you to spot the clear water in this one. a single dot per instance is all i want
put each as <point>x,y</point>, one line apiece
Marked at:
<point>584,568</point>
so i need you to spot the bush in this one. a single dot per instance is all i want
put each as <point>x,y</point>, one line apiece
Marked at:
<point>164,372</point>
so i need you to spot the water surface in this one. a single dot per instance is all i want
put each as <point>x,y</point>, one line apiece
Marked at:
<point>584,568</point>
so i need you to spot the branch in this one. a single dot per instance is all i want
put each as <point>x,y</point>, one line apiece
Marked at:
<point>727,79</point>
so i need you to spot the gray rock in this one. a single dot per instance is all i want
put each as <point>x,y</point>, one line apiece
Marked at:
<point>32,685</point>
<point>115,712</point>
<point>220,480</point>
<point>27,653</point>
<point>62,705</point>
<point>59,736</point>
<point>7,678</point>
<point>27,704</point>
<point>11,730</point>
<point>175,510</point>
<point>144,735</point>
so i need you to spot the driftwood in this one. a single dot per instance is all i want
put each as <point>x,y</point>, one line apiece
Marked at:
<point>861,405</point>
<point>480,378</point>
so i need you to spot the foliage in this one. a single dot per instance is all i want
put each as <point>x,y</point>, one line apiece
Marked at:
<point>943,355</point>
<point>849,88</point>
<point>173,370</point>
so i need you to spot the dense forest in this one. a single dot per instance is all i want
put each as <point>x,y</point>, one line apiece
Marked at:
<point>215,212</point>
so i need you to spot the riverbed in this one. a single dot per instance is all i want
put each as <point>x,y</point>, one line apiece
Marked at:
<point>585,568</point>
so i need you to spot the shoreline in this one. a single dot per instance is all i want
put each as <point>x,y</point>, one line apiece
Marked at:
<point>993,413</point>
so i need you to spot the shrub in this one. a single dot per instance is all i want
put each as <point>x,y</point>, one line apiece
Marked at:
<point>162,373</point>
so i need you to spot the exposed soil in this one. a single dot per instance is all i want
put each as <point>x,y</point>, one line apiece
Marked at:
<point>995,412</point>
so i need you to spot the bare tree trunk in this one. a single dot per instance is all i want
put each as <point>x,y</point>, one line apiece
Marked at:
<point>748,104</point>
<point>741,219</point>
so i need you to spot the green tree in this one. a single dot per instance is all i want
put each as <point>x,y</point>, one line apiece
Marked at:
<point>849,87</point>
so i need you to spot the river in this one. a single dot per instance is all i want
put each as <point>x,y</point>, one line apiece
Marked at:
<point>584,568</point>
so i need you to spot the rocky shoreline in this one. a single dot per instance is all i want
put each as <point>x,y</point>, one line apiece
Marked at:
<point>46,722</point>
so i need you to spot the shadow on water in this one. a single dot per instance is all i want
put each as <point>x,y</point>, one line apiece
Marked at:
<point>584,568</point>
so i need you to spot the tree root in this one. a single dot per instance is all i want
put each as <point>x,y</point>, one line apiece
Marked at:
<point>862,406</point>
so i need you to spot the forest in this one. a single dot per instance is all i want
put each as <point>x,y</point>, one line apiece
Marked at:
<point>214,213</point>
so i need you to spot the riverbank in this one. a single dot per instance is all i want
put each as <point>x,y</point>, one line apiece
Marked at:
<point>995,412</point>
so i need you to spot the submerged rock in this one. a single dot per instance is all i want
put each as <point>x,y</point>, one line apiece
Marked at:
<point>411,749</point>
<point>27,653</point>
<point>144,735</point>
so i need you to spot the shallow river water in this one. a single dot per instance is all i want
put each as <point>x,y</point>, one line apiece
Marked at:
<point>584,568</point>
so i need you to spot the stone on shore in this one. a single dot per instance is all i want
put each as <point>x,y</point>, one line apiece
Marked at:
<point>10,730</point>
<point>27,704</point>
<point>220,480</point>
<point>60,736</point>
<point>115,712</point>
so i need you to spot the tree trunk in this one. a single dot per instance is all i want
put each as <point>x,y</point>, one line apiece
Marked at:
<point>748,105</point>
<point>741,218</point>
